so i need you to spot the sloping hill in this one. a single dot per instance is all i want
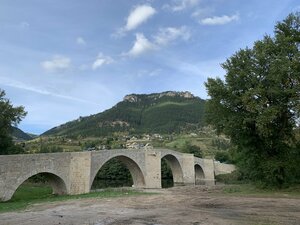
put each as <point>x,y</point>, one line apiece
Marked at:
<point>19,135</point>
<point>165,112</point>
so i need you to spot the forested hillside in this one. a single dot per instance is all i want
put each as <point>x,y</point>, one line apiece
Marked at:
<point>166,112</point>
<point>19,135</point>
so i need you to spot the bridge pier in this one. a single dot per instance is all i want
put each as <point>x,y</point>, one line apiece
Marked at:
<point>187,164</point>
<point>79,173</point>
<point>208,171</point>
<point>152,169</point>
<point>182,168</point>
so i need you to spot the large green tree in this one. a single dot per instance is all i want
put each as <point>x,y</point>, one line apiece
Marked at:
<point>9,116</point>
<point>258,104</point>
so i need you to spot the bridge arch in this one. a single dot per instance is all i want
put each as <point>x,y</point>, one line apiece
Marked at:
<point>199,175</point>
<point>137,175</point>
<point>56,182</point>
<point>176,168</point>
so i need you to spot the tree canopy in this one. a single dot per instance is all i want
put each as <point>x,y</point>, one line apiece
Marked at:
<point>9,116</point>
<point>258,104</point>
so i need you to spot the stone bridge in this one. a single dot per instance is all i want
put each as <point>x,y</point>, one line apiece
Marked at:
<point>74,172</point>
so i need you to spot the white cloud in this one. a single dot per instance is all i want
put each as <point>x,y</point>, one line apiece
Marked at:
<point>136,17</point>
<point>164,37</point>
<point>80,41</point>
<point>139,15</point>
<point>179,5</point>
<point>169,34</point>
<point>101,60</point>
<point>219,20</point>
<point>57,63</point>
<point>140,46</point>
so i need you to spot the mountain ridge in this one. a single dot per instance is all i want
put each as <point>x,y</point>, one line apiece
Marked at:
<point>164,112</point>
<point>134,97</point>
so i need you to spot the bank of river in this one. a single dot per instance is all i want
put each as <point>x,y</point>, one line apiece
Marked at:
<point>180,205</point>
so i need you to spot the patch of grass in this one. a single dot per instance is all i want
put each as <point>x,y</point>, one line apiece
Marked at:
<point>29,194</point>
<point>252,190</point>
<point>178,144</point>
<point>231,178</point>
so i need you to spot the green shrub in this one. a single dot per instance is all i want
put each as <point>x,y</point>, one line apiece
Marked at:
<point>231,178</point>
<point>223,157</point>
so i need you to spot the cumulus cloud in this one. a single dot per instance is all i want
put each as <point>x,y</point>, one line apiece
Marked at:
<point>169,34</point>
<point>101,60</point>
<point>163,37</point>
<point>179,5</point>
<point>140,46</point>
<point>140,14</point>
<point>219,20</point>
<point>80,41</point>
<point>57,63</point>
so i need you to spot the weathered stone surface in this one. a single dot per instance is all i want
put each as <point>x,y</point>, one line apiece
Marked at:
<point>74,172</point>
<point>207,165</point>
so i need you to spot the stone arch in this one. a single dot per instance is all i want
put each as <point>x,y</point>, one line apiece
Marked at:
<point>57,183</point>
<point>199,175</point>
<point>133,167</point>
<point>176,168</point>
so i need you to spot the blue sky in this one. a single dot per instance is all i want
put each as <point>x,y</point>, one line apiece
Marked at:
<point>62,59</point>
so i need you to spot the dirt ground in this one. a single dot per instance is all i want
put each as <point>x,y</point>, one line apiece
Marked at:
<point>179,205</point>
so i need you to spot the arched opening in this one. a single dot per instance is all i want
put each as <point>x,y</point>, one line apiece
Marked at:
<point>199,175</point>
<point>171,171</point>
<point>119,171</point>
<point>39,186</point>
<point>166,174</point>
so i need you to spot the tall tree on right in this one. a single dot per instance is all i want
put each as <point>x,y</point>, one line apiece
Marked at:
<point>258,104</point>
